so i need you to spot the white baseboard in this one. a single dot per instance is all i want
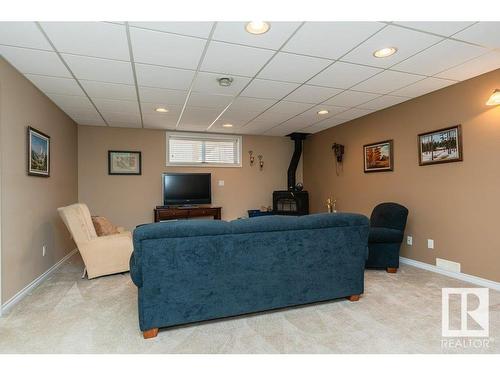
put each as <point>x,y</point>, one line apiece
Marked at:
<point>28,288</point>
<point>456,275</point>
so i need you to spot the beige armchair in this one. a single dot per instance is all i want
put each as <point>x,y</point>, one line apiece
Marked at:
<point>103,255</point>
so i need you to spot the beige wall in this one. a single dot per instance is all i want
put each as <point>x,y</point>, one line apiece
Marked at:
<point>129,200</point>
<point>28,210</point>
<point>456,204</point>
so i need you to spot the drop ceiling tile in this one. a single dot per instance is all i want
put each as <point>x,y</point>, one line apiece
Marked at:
<point>353,113</point>
<point>260,88</point>
<point>473,68</point>
<point>351,98</point>
<point>89,121</point>
<point>251,104</point>
<point>407,42</point>
<point>279,131</point>
<point>257,127</point>
<point>82,113</point>
<point>56,85</point>
<point>330,39</point>
<point>97,39</point>
<point>282,111</point>
<point>23,34</point>
<point>35,61</point>
<point>437,27</point>
<point>312,94</point>
<point>198,29</point>
<point>194,117</point>
<point>96,69</point>
<point>289,108</point>
<point>149,109</point>
<point>483,33</point>
<point>343,75</point>
<point>106,90</point>
<point>165,96</point>
<point>237,118</point>
<point>311,116</point>
<point>234,32</point>
<point>124,106</point>
<point>153,47</point>
<point>316,128</point>
<point>383,102</point>
<point>298,122</point>
<point>113,117</point>
<point>161,77</point>
<point>423,87</point>
<point>118,124</point>
<point>273,118</point>
<point>68,102</point>
<point>293,68</point>
<point>387,81</point>
<point>234,59</point>
<point>328,123</point>
<point>207,82</point>
<point>202,100</point>
<point>153,122</point>
<point>442,56</point>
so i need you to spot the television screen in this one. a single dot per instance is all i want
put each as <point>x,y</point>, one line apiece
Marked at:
<point>186,188</point>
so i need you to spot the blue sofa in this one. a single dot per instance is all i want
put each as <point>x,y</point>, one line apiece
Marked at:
<point>195,270</point>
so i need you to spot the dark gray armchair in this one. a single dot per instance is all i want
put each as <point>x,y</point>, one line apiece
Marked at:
<point>387,226</point>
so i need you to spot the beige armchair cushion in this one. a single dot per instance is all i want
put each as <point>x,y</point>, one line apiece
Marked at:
<point>104,255</point>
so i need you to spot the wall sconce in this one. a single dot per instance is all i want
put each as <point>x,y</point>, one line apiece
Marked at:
<point>494,98</point>
<point>261,162</point>
<point>252,158</point>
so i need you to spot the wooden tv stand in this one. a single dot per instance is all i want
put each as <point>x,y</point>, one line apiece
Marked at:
<point>171,213</point>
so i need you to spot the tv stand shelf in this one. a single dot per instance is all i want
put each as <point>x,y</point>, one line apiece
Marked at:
<point>162,213</point>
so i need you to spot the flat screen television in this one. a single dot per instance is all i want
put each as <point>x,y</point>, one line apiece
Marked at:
<point>184,189</point>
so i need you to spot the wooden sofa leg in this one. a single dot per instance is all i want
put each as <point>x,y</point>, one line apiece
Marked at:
<point>150,333</point>
<point>392,269</point>
<point>353,298</point>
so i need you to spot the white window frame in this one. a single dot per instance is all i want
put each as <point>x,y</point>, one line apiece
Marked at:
<point>206,136</point>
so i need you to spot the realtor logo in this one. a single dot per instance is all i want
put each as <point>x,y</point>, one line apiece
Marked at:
<point>474,312</point>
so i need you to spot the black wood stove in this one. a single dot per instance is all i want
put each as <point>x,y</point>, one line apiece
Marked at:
<point>293,201</point>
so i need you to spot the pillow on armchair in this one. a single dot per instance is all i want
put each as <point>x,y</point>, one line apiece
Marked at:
<point>103,227</point>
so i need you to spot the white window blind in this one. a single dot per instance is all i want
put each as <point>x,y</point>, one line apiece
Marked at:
<point>203,149</point>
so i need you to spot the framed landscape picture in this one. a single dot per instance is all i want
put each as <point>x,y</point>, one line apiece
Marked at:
<point>378,157</point>
<point>38,153</point>
<point>440,146</point>
<point>124,162</point>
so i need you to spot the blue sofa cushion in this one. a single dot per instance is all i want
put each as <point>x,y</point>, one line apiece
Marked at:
<point>385,235</point>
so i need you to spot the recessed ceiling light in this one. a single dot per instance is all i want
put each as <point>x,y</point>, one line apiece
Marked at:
<point>257,27</point>
<point>161,110</point>
<point>385,52</point>
<point>227,125</point>
<point>323,112</point>
<point>494,98</point>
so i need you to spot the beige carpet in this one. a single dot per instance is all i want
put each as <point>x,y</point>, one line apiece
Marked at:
<point>399,313</point>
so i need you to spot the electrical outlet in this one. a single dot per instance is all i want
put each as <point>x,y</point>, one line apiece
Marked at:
<point>409,240</point>
<point>430,244</point>
<point>44,250</point>
<point>221,182</point>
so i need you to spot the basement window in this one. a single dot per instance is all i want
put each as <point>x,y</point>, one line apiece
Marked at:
<point>203,150</point>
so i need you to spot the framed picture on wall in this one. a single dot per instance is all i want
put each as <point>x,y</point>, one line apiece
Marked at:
<point>38,153</point>
<point>440,146</point>
<point>124,163</point>
<point>378,157</point>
